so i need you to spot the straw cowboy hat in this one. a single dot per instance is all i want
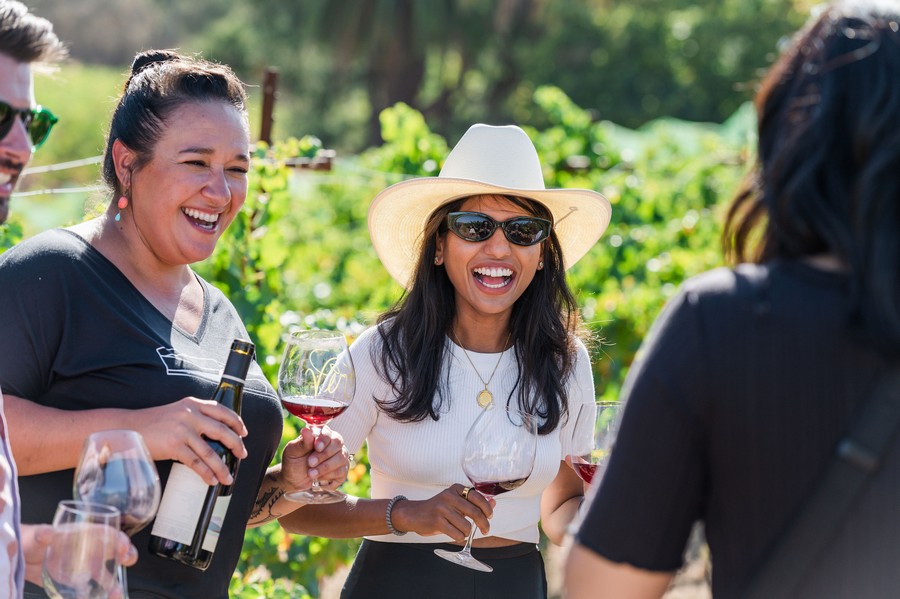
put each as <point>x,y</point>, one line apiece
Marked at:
<point>487,160</point>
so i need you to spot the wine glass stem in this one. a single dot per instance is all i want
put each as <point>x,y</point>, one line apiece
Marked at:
<point>123,581</point>
<point>468,546</point>
<point>316,431</point>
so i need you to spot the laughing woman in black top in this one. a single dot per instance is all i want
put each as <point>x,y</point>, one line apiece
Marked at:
<point>106,326</point>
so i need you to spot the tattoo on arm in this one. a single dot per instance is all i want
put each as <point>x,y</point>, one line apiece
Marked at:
<point>269,494</point>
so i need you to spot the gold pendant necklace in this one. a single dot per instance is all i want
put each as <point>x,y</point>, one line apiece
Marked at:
<point>484,397</point>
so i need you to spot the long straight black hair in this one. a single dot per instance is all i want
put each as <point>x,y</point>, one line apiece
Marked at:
<point>544,325</point>
<point>827,178</point>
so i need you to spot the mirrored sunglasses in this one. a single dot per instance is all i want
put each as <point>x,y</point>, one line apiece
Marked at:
<point>38,121</point>
<point>520,230</point>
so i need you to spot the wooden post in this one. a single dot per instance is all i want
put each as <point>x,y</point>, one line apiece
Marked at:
<point>270,91</point>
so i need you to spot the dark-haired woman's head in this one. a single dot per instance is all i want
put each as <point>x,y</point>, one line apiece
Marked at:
<point>829,139</point>
<point>177,158</point>
<point>827,178</point>
<point>162,81</point>
<point>536,271</point>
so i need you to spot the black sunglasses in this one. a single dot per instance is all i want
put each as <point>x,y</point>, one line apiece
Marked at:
<point>520,230</point>
<point>38,122</point>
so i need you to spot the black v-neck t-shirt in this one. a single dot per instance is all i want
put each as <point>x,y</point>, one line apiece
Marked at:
<point>75,334</point>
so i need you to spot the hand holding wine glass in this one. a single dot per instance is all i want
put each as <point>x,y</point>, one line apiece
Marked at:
<point>316,382</point>
<point>498,456</point>
<point>81,558</point>
<point>116,469</point>
<point>593,436</point>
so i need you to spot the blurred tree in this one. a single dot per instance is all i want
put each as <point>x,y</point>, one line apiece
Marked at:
<point>457,61</point>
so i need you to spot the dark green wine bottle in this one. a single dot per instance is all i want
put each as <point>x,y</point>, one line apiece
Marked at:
<point>191,512</point>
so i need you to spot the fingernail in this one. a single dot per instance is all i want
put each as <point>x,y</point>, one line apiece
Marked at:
<point>229,479</point>
<point>313,461</point>
<point>313,473</point>
<point>320,446</point>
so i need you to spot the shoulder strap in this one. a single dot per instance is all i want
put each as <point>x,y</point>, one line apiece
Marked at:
<point>857,459</point>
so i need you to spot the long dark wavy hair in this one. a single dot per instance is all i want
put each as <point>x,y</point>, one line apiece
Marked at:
<point>827,177</point>
<point>544,325</point>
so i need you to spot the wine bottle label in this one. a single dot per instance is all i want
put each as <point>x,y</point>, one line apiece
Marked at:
<point>215,525</point>
<point>182,502</point>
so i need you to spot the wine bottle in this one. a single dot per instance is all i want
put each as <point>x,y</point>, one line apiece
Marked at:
<point>191,512</point>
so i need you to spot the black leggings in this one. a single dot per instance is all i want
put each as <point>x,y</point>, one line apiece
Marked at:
<point>413,571</point>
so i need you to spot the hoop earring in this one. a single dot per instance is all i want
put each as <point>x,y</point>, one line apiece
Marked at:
<point>122,205</point>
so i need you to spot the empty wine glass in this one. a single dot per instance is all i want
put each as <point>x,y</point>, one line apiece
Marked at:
<point>80,562</point>
<point>595,430</point>
<point>316,382</point>
<point>498,456</point>
<point>116,469</point>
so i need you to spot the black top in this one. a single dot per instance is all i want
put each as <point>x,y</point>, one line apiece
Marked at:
<point>75,334</point>
<point>735,405</point>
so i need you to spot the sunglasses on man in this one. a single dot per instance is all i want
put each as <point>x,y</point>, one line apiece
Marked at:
<point>38,122</point>
<point>520,230</point>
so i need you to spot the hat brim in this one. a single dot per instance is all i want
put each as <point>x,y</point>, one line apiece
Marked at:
<point>398,214</point>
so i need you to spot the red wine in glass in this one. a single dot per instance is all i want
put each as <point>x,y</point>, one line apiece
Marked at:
<point>496,488</point>
<point>315,411</point>
<point>593,436</point>
<point>585,471</point>
<point>498,457</point>
<point>316,382</point>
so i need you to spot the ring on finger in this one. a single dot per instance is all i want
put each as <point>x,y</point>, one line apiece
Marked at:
<point>465,493</point>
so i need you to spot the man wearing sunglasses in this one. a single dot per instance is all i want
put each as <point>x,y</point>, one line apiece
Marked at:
<point>26,41</point>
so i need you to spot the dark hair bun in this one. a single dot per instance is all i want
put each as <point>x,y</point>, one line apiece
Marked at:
<point>148,57</point>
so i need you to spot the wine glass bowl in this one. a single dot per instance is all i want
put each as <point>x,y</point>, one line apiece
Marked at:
<point>316,382</point>
<point>81,559</point>
<point>498,457</point>
<point>116,469</point>
<point>593,436</point>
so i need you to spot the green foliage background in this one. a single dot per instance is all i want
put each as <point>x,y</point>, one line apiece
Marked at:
<point>299,252</point>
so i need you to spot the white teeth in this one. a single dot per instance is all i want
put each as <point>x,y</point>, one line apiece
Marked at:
<point>498,285</point>
<point>204,216</point>
<point>5,178</point>
<point>494,272</point>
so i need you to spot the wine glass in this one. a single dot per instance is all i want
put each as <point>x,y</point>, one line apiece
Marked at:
<point>81,559</point>
<point>316,382</point>
<point>498,456</point>
<point>116,469</point>
<point>593,436</point>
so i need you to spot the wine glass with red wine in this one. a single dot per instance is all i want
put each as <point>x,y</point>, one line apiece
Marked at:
<point>316,383</point>
<point>498,457</point>
<point>116,469</point>
<point>594,433</point>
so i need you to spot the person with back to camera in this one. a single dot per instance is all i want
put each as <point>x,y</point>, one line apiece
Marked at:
<point>753,376</point>
<point>26,41</point>
<point>482,250</point>
<point>107,327</point>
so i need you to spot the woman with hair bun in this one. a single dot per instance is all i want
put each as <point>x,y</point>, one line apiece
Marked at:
<point>105,325</point>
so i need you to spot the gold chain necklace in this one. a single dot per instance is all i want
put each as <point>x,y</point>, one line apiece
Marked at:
<point>484,397</point>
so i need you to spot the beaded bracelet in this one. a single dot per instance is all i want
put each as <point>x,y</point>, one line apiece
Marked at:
<point>387,515</point>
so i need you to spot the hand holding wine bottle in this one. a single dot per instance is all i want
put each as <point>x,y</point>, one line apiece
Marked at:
<point>191,512</point>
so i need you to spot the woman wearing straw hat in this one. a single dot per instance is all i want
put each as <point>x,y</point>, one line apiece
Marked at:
<point>487,315</point>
